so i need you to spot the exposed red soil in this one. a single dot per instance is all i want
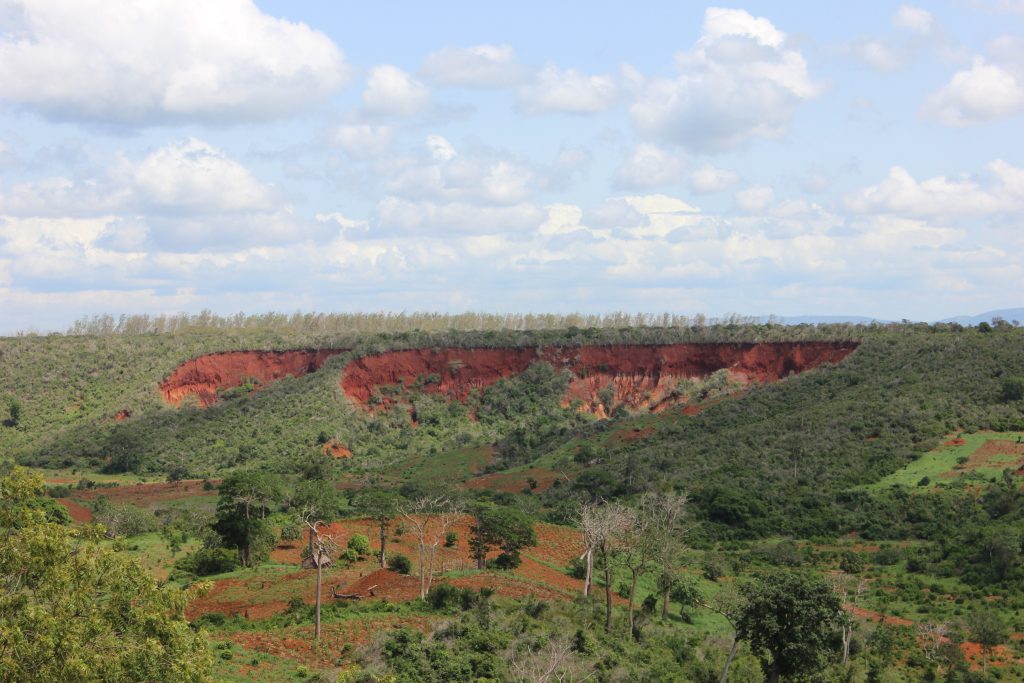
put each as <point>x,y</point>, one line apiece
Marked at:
<point>206,375</point>
<point>641,376</point>
<point>955,442</point>
<point>297,644</point>
<point>1000,656</point>
<point>514,482</point>
<point>629,435</point>
<point>122,415</point>
<point>146,494</point>
<point>983,456</point>
<point>875,616</point>
<point>336,449</point>
<point>79,513</point>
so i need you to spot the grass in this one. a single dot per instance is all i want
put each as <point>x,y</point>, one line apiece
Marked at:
<point>944,459</point>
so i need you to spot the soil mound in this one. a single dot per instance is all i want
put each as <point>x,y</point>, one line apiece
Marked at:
<point>206,375</point>
<point>637,376</point>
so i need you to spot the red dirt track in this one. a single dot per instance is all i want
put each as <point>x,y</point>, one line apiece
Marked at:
<point>206,375</point>
<point>642,376</point>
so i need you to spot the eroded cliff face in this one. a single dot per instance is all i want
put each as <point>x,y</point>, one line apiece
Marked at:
<point>640,376</point>
<point>206,375</point>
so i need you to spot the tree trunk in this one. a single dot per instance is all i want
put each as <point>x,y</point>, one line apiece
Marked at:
<point>607,592</point>
<point>588,579</point>
<point>311,542</point>
<point>632,597</point>
<point>847,637</point>
<point>664,602</point>
<point>773,676</point>
<point>728,660</point>
<point>383,541</point>
<point>423,578</point>
<point>319,575</point>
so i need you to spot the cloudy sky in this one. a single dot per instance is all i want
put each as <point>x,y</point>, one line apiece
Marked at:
<point>787,158</point>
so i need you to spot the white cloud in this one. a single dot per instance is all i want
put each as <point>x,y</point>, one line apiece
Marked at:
<point>363,141</point>
<point>940,196</point>
<point>983,93</point>
<point>648,166</point>
<point>394,215</point>
<point>707,179</point>
<point>390,91</point>
<point>877,55</point>
<point>480,66</point>
<point>194,176</point>
<point>164,61</point>
<point>569,91</point>
<point>914,19</point>
<point>739,82</point>
<point>755,199</point>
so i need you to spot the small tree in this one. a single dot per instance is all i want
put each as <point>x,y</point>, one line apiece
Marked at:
<point>241,515</point>
<point>381,506</point>
<point>322,547</point>
<point>789,618</point>
<point>988,630</point>
<point>430,518</point>
<point>14,410</point>
<point>500,527</point>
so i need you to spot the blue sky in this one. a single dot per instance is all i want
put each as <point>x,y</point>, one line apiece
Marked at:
<point>786,158</point>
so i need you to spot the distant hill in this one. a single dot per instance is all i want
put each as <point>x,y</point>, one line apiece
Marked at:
<point>1009,314</point>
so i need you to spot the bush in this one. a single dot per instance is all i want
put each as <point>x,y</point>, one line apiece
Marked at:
<point>207,561</point>
<point>400,563</point>
<point>506,561</point>
<point>360,544</point>
<point>450,539</point>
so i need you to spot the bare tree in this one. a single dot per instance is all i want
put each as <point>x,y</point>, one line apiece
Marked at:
<point>430,519</point>
<point>667,529</point>
<point>591,524</point>
<point>931,637</point>
<point>322,547</point>
<point>850,590</point>
<point>728,603</point>
<point>606,524</point>
<point>553,662</point>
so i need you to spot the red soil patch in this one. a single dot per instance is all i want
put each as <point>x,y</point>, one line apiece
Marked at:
<point>1000,657</point>
<point>630,435</point>
<point>514,482</point>
<point>144,494</point>
<point>875,616</point>
<point>297,644</point>
<point>387,585</point>
<point>79,513</point>
<point>206,375</point>
<point>336,449</point>
<point>955,442</point>
<point>642,376</point>
<point>983,456</point>
<point>122,415</point>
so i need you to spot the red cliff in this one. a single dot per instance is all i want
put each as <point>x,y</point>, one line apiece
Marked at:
<point>206,375</point>
<point>642,376</point>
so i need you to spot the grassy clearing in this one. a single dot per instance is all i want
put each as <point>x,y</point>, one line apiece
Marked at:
<point>944,460</point>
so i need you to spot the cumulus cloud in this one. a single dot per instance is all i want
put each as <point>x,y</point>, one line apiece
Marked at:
<point>755,199</point>
<point>363,140</point>
<point>394,215</point>
<point>390,91</point>
<point>164,61</point>
<point>900,192</point>
<point>708,179</point>
<point>913,19</point>
<point>985,92</point>
<point>479,66</point>
<point>568,91</point>
<point>740,81</point>
<point>648,166</point>
<point>876,54</point>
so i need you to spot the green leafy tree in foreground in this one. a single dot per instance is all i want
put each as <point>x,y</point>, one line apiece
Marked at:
<point>245,498</point>
<point>74,610</point>
<point>789,619</point>
<point>382,507</point>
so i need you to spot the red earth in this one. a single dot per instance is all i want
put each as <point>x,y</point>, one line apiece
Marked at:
<point>641,376</point>
<point>79,513</point>
<point>206,375</point>
<point>144,495</point>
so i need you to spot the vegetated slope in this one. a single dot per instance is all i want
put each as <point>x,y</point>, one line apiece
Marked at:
<point>602,377</point>
<point>783,457</point>
<point>211,373</point>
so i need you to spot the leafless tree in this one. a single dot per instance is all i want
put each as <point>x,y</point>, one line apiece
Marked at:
<point>591,524</point>
<point>322,547</point>
<point>850,590</point>
<point>728,603</point>
<point>931,637</point>
<point>553,662</point>
<point>430,518</point>
<point>607,525</point>
<point>667,529</point>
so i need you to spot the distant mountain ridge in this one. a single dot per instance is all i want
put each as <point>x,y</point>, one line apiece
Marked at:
<point>1009,314</point>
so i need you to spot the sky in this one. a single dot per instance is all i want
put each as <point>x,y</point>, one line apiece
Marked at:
<point>793,158</point>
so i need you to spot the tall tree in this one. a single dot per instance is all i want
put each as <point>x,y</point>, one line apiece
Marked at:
<point>430,518</point>
<point>789,619</point>
<point>245,497</point>
<point>667,533</point>
<point>323,545</point>
<point>72,609</point>
<point>381,506</point>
